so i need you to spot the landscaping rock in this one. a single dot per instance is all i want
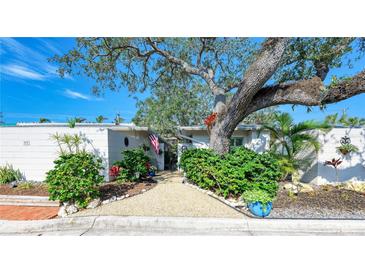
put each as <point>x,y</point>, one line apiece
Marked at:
<point>305,188</point>
<point>358,187</point>
<point>105,202</point>
<point>62,212</point>
<point>94,203</point>
<point>289,186</point>
<point>71,209</point>
<point>13,184</point>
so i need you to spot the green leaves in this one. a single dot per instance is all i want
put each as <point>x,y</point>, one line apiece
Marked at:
<point>75,178</point>
<point>288,139</point>
<point>233,173</point>
<point>134,165</point>
<point>8,174</point>
<point>170,107</point>
<point>252,196</point>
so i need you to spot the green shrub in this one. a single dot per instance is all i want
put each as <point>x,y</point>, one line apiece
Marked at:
<point>8,174</point>
<point>252,196</point>
<point>75,178</point>
<point>233,173</point>
<point>134,165</point>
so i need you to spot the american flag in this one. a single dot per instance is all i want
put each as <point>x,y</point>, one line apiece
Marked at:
<point>154,142</point>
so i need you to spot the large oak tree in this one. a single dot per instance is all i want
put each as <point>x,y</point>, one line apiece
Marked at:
<point>255,73</point>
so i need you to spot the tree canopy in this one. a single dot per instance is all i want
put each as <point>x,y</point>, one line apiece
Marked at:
<point>256,73</point>
<point>166,109</point>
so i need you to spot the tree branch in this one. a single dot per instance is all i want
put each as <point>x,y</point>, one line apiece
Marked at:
<point>307,92</point>
<point>255,77</point>
<point>204,73</point>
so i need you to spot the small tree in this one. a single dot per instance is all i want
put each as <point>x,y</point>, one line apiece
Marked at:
<point>289,139</point>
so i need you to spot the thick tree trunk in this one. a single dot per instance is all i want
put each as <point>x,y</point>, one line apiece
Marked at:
<point>219,140</point>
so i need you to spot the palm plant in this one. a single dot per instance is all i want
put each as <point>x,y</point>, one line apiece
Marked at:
<point>100,119</point>
<point>118,119</point>
<point>80,119</point>
<point>289,139</point>
<point>44,120</point>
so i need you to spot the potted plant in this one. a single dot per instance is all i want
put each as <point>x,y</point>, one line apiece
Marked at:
<point>259,202</point>
<point>344,149</point>
<point>152,171</point>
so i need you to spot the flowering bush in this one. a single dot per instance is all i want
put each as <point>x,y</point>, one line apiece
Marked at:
<point>114,170</point>
<point>134,165</point>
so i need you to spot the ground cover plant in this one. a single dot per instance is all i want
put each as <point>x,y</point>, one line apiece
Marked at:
<point>8,174</point>
<point>234,173</point>
<point>75,178</point>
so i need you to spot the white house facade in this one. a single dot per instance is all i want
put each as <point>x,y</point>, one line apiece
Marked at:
<point>249,136</point>
<point>352,167</point>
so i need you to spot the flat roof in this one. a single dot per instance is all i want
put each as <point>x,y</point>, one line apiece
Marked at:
<point>120,127</point>
<point>239,127</point>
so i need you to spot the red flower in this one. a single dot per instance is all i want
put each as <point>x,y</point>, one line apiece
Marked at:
<point>114,171</point>
<point>209,121</point>
<point>148,165</point>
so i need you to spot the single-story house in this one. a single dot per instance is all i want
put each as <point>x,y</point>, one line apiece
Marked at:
<point>30,147</point>
<point>351,169</point>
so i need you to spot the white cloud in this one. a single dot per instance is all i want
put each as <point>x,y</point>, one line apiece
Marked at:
<point>30,58</point>
<point>76,95</point>
<point>22,72</point>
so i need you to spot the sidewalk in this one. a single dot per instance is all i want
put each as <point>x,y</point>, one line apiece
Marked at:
<point>118,225</point>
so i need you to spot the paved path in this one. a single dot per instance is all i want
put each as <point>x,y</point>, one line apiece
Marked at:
<point>11,212</point>
<point>170,198</point>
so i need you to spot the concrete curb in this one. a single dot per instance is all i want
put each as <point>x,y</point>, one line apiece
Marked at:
<point>119,225</point>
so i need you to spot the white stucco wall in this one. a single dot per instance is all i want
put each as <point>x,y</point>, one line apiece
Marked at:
<point>32,150</point>
<point>353,166</point>
<point>136,139</point>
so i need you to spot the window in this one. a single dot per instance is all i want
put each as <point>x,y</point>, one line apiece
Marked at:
<point>126,141</point>
<point>236,142</point>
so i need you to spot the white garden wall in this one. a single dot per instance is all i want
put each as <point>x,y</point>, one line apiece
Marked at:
<point>32,150</point>
<point>353,166</point>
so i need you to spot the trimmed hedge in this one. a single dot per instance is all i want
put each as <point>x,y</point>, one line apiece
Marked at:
<point>233,173</point>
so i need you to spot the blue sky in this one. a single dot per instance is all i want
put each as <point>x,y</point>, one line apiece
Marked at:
<point>30,87</point>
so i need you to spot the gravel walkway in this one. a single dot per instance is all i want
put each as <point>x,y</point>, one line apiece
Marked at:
<point>169,198</point>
